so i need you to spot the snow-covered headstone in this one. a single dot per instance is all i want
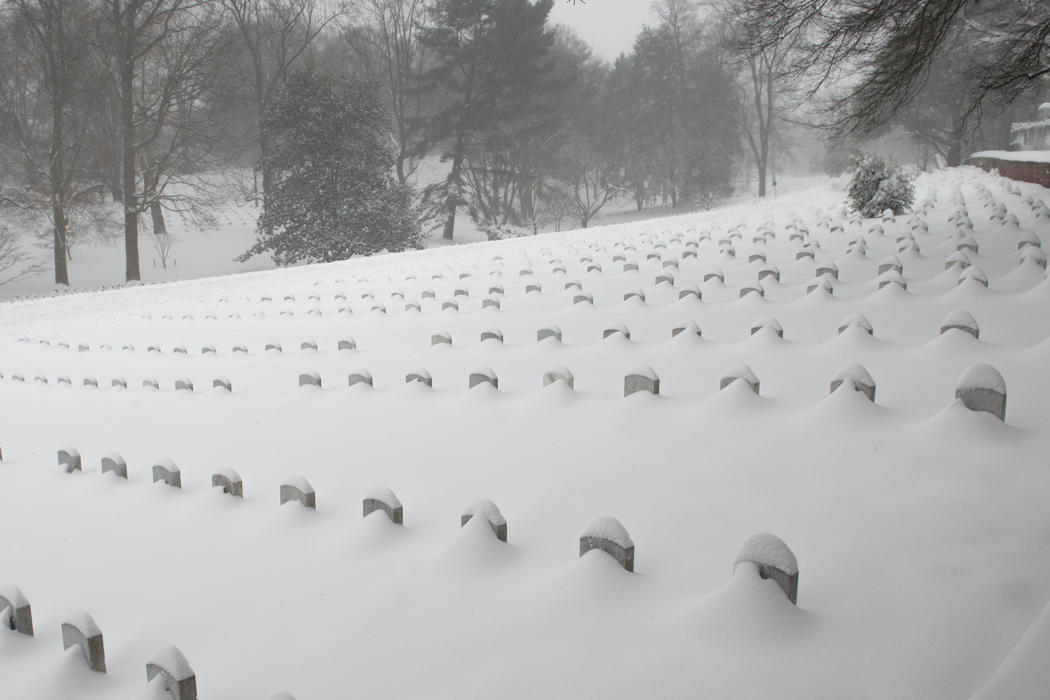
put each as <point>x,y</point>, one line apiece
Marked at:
<point>69,459</point>
<point>982,388</point>
<point>967,243</point>
<point>19,612</point>
<point>166,471</point>
<point>688,327</point>
<point>347,344</point>
<point>383,499</point>
<point>297,488</point>
<point>769,271</point>
<point>80,629</point>
<point>856,376</point>
<point>859,320</point>
<point>961,320</point>
<point>957,258</point>
<point>310,378</point>
<point>892,277</point>
<point>359,377</point>
<point>487,509</point>
<point>119,382</point>
<point>308,345</point>
<point>743,373</point>
<point>773,560</point>
<point>184,384</point>
<point>229,481</point>
<point>548,332</point>
<point>559,374</point>
<point>422,376</point>
<point>175,672</point>
<point>1029,240</point>
<point>483,376</point>
<point>608,535</point>
<point>1035,255</point>
<point>440,339</point>
<point>820,284</point>
<point>90,381</point>
<point>828,268</point>
<point>891,262</point>
<point>752,288</point>
<point>691,291</point>
<point>974,274</point>
<point>616,328</point>
<point>113,462</point>
<point>492,334</point>
<point>768,323</point>
<point>642,379</point>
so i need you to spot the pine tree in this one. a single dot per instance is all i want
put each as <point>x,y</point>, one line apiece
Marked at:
<point>492,61</point>
<point>333,192</point>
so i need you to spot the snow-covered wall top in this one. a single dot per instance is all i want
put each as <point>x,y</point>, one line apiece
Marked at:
<point>1017,156</point>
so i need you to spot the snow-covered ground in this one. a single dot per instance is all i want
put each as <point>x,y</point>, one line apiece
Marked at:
<point>919,527</point>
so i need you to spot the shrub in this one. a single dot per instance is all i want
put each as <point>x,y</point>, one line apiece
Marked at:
<point>876,186</point>
<point>333,195</point>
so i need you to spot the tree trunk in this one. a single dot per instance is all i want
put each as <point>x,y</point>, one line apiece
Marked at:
<point>57,176</point>
<point>450,200</point>
<point>156,212</point>
<point>61,271</point>
<point>127,138</point>
<point>267,174</point>
<point>761,178</point>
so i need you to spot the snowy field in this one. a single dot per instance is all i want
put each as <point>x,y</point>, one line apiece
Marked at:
<point>920,527</point>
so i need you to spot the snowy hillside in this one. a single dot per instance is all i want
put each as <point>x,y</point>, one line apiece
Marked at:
<point>919,527</point>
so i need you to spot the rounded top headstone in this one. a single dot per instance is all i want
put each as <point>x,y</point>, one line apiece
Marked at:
<point>609,528</point>
<point>982,376</point>
<point>768,550</point>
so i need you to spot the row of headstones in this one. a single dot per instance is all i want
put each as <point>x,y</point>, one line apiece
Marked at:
<point>981,388</point>
<point>764,556</point>
<point>182,384</point>
<point>956,320</point>
<point>80,630</point>
<point>306,345</point>
<point>889,273</point>
<point>969,243</point>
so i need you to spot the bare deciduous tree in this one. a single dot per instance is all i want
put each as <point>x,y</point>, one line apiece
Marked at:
<point>275,35</point>
<point>387,42</point>
<point>878,54</point>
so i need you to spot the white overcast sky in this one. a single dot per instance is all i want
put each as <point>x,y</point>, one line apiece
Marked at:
<point>609,26</point>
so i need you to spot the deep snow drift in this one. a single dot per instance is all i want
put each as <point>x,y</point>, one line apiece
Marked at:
<point>918,527</point>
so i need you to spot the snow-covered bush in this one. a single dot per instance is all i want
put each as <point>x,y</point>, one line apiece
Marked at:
<point>876,186</point>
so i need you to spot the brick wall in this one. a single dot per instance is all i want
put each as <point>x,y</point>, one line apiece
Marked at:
<point>1038,173</point>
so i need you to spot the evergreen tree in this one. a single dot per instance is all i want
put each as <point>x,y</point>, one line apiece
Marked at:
<point>492,64</point>
<point>333,192</point>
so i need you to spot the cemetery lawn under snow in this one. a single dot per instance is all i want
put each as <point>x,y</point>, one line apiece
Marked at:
<point>919,527</point>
